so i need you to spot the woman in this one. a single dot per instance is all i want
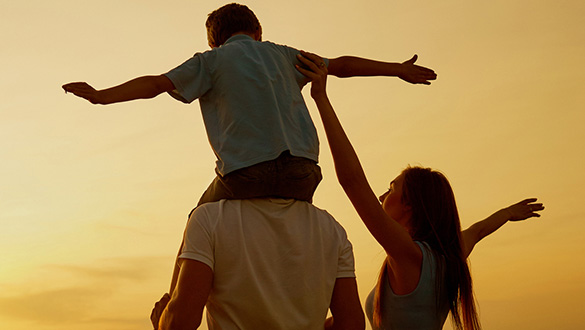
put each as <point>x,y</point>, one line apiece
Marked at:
<point>425,274</point>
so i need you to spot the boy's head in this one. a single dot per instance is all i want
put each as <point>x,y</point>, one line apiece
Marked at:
<point>224,22</point>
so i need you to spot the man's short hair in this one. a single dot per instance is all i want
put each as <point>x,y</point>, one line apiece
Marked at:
<point>223,22</point>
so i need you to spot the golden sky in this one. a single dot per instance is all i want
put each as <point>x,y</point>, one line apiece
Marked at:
<point>93,199</point>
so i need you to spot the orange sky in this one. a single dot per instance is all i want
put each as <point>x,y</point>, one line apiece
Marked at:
<point>94,198</point>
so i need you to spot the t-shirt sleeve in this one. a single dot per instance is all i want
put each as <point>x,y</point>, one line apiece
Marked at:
<point>192,79</point>
<point>292,53</point>
<point>199,238</point>
<point>345,262</point>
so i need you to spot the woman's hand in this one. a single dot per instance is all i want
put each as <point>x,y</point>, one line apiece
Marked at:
<point>316,70</point>
<point>524,210</point>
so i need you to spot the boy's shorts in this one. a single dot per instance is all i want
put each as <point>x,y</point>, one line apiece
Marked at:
<point>284,177</point>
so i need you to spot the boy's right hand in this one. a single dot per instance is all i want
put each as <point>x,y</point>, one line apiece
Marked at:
<point>83,90</point>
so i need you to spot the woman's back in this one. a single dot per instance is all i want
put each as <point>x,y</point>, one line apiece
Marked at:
<point>421,309</point>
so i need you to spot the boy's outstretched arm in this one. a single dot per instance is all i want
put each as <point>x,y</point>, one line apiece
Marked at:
<point>520,211</point>
<point>351,66</point>
<point>145,87</point>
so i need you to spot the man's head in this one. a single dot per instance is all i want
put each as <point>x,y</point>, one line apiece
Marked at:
<point>228,20</point>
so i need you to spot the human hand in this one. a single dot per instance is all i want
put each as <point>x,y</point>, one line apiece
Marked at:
<point>83,90</point>
<point>415,74</point>
<point>316,70</point>
<point>158,309</point>
<point>524,210</point>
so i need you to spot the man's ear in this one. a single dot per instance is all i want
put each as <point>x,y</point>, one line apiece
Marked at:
<point>258,34</point>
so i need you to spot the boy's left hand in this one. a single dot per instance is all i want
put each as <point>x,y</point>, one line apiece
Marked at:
<point>415,74</point>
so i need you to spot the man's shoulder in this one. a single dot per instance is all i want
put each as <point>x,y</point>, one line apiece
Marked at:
<point>270,208</point>
<point>270,205</point>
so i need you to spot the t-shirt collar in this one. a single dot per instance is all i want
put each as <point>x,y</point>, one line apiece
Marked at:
<point>238,37</point>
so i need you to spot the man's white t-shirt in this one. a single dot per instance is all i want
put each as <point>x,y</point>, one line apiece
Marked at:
<point>274,262</point>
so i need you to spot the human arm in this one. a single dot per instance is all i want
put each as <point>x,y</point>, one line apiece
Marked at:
<point>392,236</point>
<point>158,309</point>
<point>351,66</point>
<point>345,306</point>
<point>185,309</point>
<point>144,87</point>
<point>520,211</point>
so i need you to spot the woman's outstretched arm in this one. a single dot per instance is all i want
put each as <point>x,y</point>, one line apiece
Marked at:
<point>391,235</point>
<point>520,211</point>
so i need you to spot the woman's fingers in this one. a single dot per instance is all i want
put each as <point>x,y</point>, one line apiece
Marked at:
<point>315,62</point>
<point>308,62</point>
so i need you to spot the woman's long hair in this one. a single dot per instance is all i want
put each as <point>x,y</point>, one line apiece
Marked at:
<point>435,220</point>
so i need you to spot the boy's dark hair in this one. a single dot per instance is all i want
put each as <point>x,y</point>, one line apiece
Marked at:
<point>223,22</point>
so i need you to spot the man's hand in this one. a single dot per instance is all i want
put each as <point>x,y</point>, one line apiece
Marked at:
<point>415,74</point>
<point>158,309</point>
<point>83,90</point>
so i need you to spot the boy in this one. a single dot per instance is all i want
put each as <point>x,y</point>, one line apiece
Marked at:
<point>252,106</point>
<point>250,96</point>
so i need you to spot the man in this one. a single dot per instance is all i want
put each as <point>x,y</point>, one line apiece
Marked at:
<point>264,264</point>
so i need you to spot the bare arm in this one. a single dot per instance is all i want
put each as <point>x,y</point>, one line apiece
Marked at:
<point>345,306</point>
<point>520,211</point>
<point>351,66</point>
<point>145,87</point>
<point>392,236</point>
<point>185,309</point>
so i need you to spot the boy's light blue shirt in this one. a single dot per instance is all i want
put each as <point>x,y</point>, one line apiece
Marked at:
<point>250,98</point>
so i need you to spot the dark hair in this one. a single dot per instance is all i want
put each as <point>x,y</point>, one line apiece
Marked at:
<point>223,22</point>
<point>435,220</point>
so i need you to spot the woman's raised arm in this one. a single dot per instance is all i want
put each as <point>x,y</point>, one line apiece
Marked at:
<point>392,236</point>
